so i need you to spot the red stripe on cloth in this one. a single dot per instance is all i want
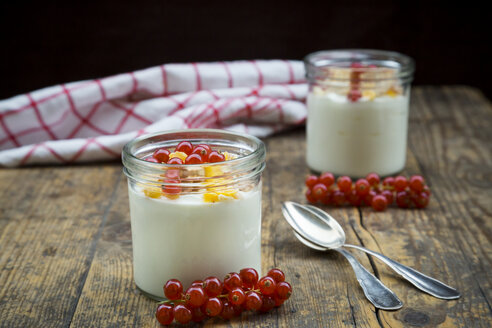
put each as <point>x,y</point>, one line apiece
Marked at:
<point>230,82</point>
<point>42,100</point>
<point>181,105</point>
<point>106,149</point>
<point>77,114</point>
<point>40,118</point>
<point>123,108</point>
<point>291,94</point>
<point>165,89</point>
<point>9,134</point>
<point>29,153</point>
<point>260,74</point>
<point>198,77</point>
<point>129,112</point>
<point>134,81</point>
<point>92,111</point>
<point>54,153</point>
<point>81,150</point>
<point>291,71</point>
<point>36,129</point>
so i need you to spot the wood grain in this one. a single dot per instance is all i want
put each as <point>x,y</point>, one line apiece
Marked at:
<point>65,239</point>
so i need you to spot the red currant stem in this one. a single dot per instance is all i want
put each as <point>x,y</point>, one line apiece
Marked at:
<point>170,302</point>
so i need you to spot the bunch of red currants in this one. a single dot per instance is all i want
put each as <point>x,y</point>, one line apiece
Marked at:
<point>212,297</point>
<point>370,191</point>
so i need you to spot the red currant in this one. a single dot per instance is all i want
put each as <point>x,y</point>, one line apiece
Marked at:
<point>278,301</point>
<point>362,186</point>
<point>182,314</point>
<point>173,289</point>
<point>165,314</point>
<point>389,181</point>
<point>344,183</point>
<point>277,275</point>
<point>268,303</point>
<point>311,181</point>
<point>249,276</point>
<point>215,157</point>
<point>388,194</point>
<point>267,285</point>
<point>185,147</point>
<point>416,183</point>
<point>197,315</point>
<point>213,307</point>
<point>284,290</point>
<point>327,179</point>
<point>232,280</point>
<point>421,200</point>
<point>426,190</point>
<point>152,160</point>
<point>227,311</point>
<point>310,196</point>
<point>197,283</point>
<point>237,296</point>
<point>354,95</point>
<point>338,198</point>
<point>175,160</point>
<point>202,151</point>
<point>193,159</point>
<point>319,191</point>
<point>403,199</point>
<point>195,296</point>
<point>368,198</point>
<point>212,286</point>
<point>400,183</point>
<point>171,187</point>
<point>162,155</point>
<point>327,200</point>
<point>373,179</point>
<point>353,198</point>
<point>253,301</point>
<point>379,203</point>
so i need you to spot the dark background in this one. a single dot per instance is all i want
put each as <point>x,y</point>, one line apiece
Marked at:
<point>45,43</point>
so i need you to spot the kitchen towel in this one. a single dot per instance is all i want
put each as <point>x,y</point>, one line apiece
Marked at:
<point>92,120</point>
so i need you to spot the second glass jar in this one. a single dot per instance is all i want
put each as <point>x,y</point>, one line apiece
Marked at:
<point>358,106</point>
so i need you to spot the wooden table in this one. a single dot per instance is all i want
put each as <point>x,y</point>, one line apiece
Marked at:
<point>65,241</point>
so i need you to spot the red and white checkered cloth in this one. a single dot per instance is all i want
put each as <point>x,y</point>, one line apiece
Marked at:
<point>92,120</point>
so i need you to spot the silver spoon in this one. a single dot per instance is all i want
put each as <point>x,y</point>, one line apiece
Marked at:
<point>421,281</point>
<point>374,290</point>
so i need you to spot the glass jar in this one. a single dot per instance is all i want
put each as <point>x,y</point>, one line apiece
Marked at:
<point>193,221</point>
<point>357,104</point>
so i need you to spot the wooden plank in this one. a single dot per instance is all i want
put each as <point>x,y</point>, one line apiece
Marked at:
<point>50,219</point>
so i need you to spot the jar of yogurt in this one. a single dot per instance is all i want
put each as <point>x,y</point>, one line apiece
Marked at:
<point>357,104</point>
<point>193,220</point>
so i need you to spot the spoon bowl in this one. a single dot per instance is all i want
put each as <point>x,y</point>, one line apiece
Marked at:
<point>312,226</point>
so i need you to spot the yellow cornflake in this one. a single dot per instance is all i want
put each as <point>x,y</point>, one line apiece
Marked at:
<point>229,156</point>
<point>210,197</point>
<point>392,92</point>
<point>232,193</point>
<point>212,171</point>
<point>178,154</point>
<point>370,94</point>
<point>152,192</point>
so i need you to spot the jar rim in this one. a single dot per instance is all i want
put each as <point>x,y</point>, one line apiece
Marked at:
<point>342,58</point>
<point>252,162</point>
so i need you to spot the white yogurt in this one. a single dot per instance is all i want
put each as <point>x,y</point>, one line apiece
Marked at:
<point>189,239</point>
<point>356,138</point>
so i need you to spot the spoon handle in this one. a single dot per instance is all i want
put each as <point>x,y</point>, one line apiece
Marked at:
<point>376,292</point>
<point>425,283</point>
